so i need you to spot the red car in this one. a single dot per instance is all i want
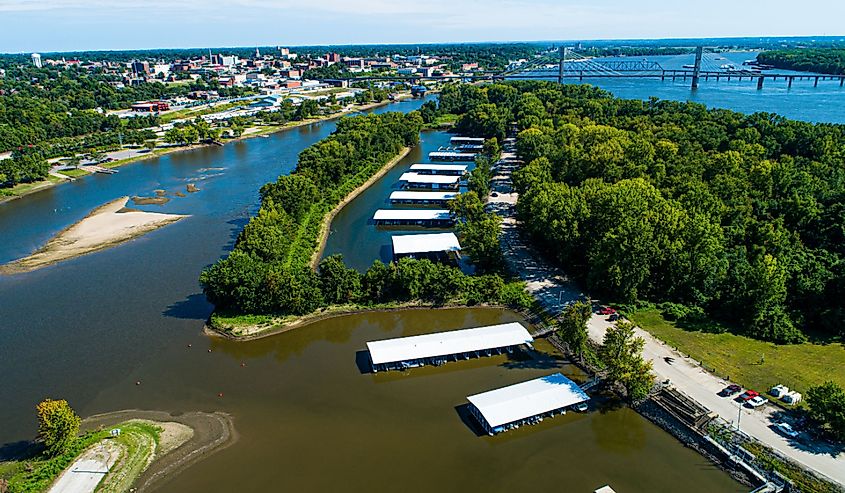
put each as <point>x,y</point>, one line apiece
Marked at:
<point>607,311</point>
<point>748,395</point>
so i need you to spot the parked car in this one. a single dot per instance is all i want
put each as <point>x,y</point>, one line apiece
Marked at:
<point>779,391</point>
<point>494,194</point>
<point>786,429</point>
<point>791,398</point>
<point>581,407</point>
<point>606,310</point>
<point>756,401</point>
<point>748,395</point>
<point>613,317</point>
<point>730,390</point>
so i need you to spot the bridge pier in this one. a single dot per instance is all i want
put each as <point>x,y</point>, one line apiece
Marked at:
<point>816,83</point>
<point>697,68</point>
<point>841,81</point>
<point>760,82</point>
<point>789,86</point>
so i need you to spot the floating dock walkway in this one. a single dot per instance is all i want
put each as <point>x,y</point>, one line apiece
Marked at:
<point>525,403</point>
<point>441,347</point>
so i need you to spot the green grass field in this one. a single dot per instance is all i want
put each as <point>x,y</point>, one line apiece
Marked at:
<point>74,173</point>
<point>798,366</point>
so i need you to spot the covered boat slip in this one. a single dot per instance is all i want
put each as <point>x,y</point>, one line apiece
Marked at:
<point>525,403</point>
<point>436,182</point>
<point>413,217</point>
<point>440,347</point>
<point>434,245</point>
<point>439,169</point>
<point>467,140</point>
<point>451,156</point>
<point>417,197</point>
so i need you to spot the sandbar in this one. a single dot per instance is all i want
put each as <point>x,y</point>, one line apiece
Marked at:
<point>106,226</point>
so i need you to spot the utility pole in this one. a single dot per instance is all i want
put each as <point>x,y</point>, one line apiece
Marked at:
<point>698,52</point>
<point>560,66</point>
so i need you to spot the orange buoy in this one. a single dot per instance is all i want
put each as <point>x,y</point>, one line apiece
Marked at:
<point>220,394</point>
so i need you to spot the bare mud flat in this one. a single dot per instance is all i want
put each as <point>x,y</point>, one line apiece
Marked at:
<point>185,439</point>
<point>106,226</point>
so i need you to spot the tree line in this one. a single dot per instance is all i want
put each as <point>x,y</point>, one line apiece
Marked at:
<point>736,216</point>
<point>821,60</point>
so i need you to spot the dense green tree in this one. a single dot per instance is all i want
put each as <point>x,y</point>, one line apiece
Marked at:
<point>827,407</point>
<point>338,283</point>
<point>572,326</point>
<point>58,425</point>
<point>621,353</point>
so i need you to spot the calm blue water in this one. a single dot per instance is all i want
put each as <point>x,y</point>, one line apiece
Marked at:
<point>825,103</point>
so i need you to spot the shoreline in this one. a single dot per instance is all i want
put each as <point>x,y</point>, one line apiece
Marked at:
<point>263,130</point>
<point>211,432</point>
<point>325,225</point>
<point>105,226</point>
<point>257,331</point>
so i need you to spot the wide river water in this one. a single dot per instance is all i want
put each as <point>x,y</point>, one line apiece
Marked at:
<point>88,329</point>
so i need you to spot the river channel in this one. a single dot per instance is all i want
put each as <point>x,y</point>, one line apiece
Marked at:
<point>308,420</point>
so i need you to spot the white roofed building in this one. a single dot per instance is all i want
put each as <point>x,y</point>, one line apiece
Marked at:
<point>435,246</point>
<point>416,197</point>
<point>525,403</point>
<point>439,169</point>
<point>440,347</point>
<point>434,182</point>
<point>413,217</point>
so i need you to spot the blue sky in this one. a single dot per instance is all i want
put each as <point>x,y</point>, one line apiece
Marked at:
<point>65,25</point>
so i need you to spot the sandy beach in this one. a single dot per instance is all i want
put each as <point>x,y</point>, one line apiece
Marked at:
<point>106,226</point>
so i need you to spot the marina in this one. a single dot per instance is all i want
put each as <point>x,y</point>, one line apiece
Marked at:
<point>525,403</point>
<point>441,347</point>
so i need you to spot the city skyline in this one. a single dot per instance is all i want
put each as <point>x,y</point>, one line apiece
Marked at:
<point>76,25</point>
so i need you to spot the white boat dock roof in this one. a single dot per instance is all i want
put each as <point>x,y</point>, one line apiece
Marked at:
<point>412,214</point>
<point>467,140</point>
<point>447,343</point>
<point>438,179</point>
<point>439,167</point>
<point>527,399</point>
<point>469,156</point>
<point>425,243</point>
<point>433,196</point>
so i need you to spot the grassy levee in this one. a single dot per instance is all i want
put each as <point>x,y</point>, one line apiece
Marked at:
<point>138,444</point>
<point>750,362</point>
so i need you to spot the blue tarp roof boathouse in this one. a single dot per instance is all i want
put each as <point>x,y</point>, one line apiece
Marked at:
<point>439,347</point>
<point>525,403</point>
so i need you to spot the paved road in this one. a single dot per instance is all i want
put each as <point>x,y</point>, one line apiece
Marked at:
<point>88,470</point>
<point>555,291</point>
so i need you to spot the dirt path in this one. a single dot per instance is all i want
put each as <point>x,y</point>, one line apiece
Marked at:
<point>555,291</point>
<point>89,469</point>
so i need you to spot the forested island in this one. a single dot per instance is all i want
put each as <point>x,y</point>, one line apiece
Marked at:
<point>820,60</point>
<point>721,214</point>
<point>270,272</point>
